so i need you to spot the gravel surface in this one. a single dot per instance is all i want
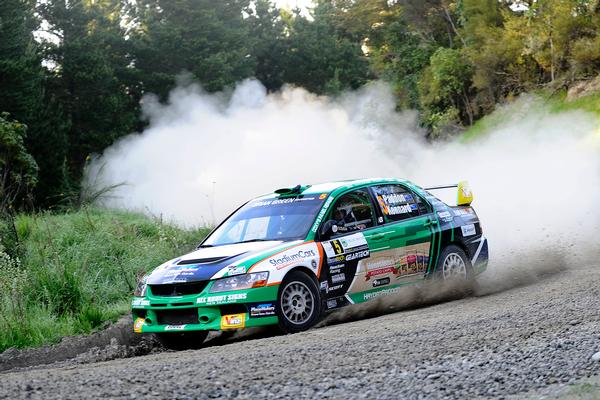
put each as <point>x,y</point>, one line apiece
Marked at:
<point>537,335</point>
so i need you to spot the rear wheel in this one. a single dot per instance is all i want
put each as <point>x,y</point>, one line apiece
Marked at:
<point>454,265</point>
<point>298,303</point>
<point>182,340</point>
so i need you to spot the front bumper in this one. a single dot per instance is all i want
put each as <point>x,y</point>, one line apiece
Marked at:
<point>206,311</point>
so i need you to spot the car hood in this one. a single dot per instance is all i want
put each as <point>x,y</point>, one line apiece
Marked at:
<point>208,263</point>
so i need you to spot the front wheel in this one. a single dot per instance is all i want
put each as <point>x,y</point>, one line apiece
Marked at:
<point>182,340</point>
<point>298,303</point>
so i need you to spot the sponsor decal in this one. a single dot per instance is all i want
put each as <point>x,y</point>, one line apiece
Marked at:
<point>331,303</point>
<point>290,258</point>
<point>178,280</point>
<point>233,321</point>
<point>445,216</point>
<point>372,295</point>
<point>381,282</point>
<point>140,302</point>
<point>358,255</point>
<point>315,226</point>
<point>336,267</point>
<point>413,263</point>
<point>324,285</point>
<point>137,325</point>
<point>274,202</point>
<point>338,278</point>
<point>468,230</point>
<point>463,212</point>
<point>178,269</point>
<point>332,288</point>
<point>262,310</point>
<point>313,263</point>
<point>224,298</point>
<point>380,263</point>
<point>236,270</point>
<point>353,241</point>
<point>174,327</point>
<point>335,270</point>
<point>380,271</point>
<point>322,196</point>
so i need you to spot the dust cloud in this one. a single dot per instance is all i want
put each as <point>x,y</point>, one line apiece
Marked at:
<point>535,174</point>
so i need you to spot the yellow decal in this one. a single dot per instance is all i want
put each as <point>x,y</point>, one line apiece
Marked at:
<point>383,205</point>
<point>233,321</point>
<point>137,325</point>
<point>322,196</point>
<point>465,195</point>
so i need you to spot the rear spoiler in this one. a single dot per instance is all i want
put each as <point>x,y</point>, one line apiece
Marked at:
<point>464,195</point>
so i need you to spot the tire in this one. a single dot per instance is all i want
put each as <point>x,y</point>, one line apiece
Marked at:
<point>298,303</point>
<point>182,340</point>
<point>454,265</point>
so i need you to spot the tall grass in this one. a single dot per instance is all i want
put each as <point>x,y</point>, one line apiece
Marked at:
<point>78,269</point>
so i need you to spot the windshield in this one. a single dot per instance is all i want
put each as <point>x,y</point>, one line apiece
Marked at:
<point>269,219</point>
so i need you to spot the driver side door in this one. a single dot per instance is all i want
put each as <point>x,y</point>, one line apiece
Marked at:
<point>355,238</point>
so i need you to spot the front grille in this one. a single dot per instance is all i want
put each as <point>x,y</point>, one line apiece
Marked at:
<point>178,289</point>
<point>177,317</point>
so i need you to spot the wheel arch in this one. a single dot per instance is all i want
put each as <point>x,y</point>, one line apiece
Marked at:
<point>462,246</point>
<point>304,269</point>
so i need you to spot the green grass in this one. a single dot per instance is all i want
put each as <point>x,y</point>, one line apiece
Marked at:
<point>559,103</point>
<point>546,102</point>
<point>78,270</point>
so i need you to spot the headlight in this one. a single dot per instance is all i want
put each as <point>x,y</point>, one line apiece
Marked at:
<point>238,282</point>
<point>140,290</point>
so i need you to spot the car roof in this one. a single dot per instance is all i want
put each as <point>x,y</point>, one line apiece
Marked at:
<point>338,186</point>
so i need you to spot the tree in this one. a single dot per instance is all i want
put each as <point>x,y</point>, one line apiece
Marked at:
<point>444,89</point>
<point>209,39</point>
<point>91,82</point>
<point>319,56</point>
<point>18,169</point>
<point>21,73</point>
<point>22,84</point>
<point>268,46</point>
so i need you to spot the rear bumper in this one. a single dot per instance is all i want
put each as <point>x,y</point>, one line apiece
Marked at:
<point>481,256</point>
<point>230,310</point>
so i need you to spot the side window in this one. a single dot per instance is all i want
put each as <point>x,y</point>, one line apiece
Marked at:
<point>397,203</point>
<point>353,211</point>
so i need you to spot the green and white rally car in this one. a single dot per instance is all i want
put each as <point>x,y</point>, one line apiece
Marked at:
<point>288,257</point>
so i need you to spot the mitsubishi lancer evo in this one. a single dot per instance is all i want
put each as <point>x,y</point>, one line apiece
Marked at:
<point>289,257</point>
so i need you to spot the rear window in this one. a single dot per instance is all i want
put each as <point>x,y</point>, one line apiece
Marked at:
<point>398,203</point>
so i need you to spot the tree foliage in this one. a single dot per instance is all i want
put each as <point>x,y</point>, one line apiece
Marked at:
<point>78,87</point>
<point>18,169</point>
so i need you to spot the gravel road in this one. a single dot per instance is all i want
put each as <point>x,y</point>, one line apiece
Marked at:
<point>500,342</point>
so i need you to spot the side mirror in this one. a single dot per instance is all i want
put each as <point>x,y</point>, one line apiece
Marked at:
<point>328,229</point>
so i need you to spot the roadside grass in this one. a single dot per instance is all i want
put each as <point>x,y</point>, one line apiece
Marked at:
<point>559,103</point>
<point>78,269</point>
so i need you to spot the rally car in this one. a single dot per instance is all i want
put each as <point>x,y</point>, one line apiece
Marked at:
<point>289,257</point>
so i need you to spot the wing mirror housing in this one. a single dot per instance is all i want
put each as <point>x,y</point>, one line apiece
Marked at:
<point>327,229</point>
<point>331,227</point>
